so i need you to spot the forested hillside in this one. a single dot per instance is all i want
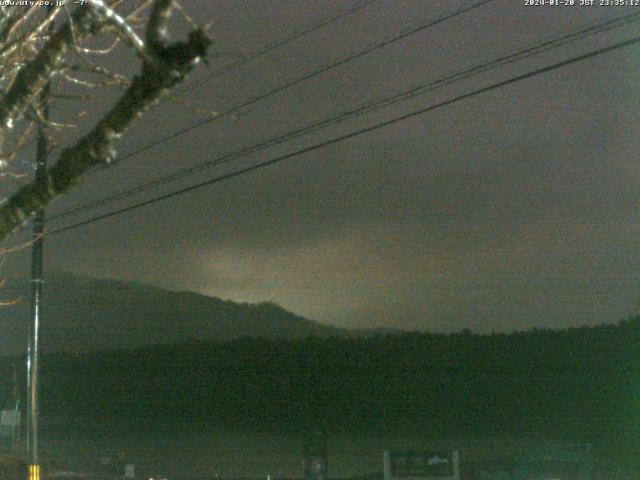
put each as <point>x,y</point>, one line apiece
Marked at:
<point>577,384</point>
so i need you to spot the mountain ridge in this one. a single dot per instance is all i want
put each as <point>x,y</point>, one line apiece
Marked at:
<point>84,314</point>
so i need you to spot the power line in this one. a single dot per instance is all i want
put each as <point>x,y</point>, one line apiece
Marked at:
<point>369,107</point>
<point>356,133</point>
<point>280,88</point>
<point>270,47</point>
<point>277,44</point>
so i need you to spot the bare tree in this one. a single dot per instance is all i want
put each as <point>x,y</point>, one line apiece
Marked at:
<point>38,44</point>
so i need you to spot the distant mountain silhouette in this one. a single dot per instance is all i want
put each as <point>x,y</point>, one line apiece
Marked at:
<point>84,314</point>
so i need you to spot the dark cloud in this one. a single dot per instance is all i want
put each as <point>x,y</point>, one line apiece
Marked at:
<point>513,209</point>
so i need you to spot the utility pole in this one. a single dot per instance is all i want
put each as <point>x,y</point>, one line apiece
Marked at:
<point>42,152</point>
<point>36,297</point>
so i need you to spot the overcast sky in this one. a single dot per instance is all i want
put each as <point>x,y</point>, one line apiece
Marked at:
<point>514,209</point>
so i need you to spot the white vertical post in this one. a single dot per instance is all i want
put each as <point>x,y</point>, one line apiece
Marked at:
<point>387,465</point>
<point>456,465</point>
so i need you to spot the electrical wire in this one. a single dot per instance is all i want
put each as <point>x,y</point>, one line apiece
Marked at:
<point>356,133</point>
<point>276,45</point>
<point>367,108</point>
<point>280,88</point>
<point>264,51</point>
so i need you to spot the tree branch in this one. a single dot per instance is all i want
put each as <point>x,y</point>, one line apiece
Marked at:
<point>97,147</point>
<point>125,31</point>
<point>34,75</point>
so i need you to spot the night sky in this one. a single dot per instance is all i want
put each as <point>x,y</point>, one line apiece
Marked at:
<point>510,210</point>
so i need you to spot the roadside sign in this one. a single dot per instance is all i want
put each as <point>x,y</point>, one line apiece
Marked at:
<point>561,462</point>
<point>421,465</point>
<point>129,471</point>
<point>10,418</point>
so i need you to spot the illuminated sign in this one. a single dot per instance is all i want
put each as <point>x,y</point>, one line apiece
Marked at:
<point>421,464</point>
<point>402,465</point>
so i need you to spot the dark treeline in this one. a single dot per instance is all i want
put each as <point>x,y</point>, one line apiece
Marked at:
<point>580,384</point>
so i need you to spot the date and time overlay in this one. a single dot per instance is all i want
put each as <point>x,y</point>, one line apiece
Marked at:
<point>582,3</point>
<point>526,3</point>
